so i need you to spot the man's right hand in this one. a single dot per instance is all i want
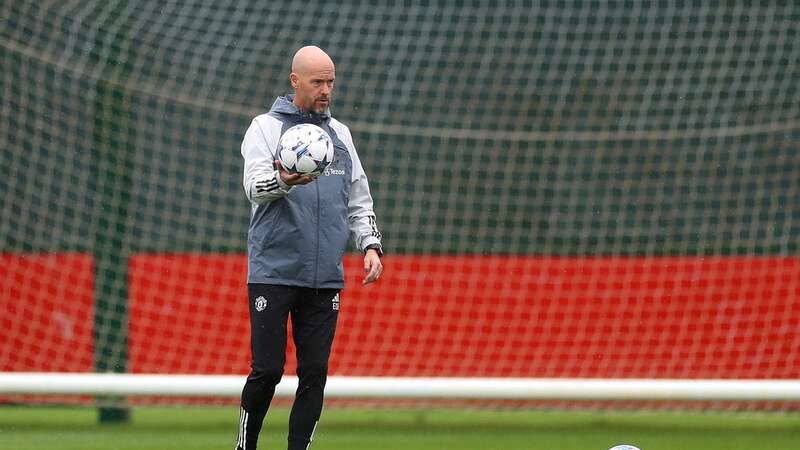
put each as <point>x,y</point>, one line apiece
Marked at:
<point>292,179</point>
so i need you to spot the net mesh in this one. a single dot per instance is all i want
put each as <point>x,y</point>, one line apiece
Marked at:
<point>565,189</point>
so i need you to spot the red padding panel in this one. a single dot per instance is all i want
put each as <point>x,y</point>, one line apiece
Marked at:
<point>188,314</point>
<point>47,312</point>
<point>672,317</point>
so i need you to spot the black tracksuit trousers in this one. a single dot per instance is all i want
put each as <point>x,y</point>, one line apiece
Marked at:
<point>314,313</point>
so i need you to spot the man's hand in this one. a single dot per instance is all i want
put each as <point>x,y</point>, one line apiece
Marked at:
<point>292,178</point>
<point>372,266</point>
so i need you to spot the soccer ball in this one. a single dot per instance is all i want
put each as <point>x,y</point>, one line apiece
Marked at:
<point>624,447</point>
<point>305,149</point>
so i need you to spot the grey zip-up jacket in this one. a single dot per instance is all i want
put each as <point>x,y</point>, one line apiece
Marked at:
<point>298,234</point>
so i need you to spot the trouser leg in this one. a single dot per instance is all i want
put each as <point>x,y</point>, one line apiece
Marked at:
<point>269,312</point>
<point>313,328</point>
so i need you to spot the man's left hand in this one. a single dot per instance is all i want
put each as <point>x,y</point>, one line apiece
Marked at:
<point>372,266</point>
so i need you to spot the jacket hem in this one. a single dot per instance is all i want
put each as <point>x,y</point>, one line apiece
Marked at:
<point>296,283</point>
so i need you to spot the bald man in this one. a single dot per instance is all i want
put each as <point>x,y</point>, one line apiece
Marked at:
<point>298,234</point>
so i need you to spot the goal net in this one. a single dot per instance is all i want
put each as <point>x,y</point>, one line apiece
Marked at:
<point>567,190</point>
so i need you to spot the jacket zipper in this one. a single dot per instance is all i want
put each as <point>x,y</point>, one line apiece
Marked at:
<point>316,261</point>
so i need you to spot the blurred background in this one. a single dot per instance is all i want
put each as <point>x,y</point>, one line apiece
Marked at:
<point>566,189</point>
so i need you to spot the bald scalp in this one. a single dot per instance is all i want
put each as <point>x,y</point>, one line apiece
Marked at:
<point>310,59</point>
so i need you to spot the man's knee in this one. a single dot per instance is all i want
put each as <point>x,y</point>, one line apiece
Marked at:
<point>313,372</point>
<point>265,377</point>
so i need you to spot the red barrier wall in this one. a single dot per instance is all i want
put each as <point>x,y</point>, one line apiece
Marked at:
<point>188,314</point>
<point>47,312</point>
<point>681,317</point>
<point>676,317</point>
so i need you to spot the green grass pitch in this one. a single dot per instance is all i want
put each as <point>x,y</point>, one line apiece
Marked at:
<point>201,428</point>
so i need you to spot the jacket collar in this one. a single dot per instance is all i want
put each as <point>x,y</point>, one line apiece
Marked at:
<point>284,105</point>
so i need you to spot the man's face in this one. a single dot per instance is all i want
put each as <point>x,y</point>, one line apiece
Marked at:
<point>313,88</point>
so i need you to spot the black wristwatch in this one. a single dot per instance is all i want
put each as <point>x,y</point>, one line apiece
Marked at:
<point>376,247</point>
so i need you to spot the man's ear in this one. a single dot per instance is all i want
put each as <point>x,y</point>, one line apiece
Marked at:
<point>294,79</point>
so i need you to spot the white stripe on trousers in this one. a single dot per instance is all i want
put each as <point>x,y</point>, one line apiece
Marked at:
<point>242,441</point>
<point>311,438</point>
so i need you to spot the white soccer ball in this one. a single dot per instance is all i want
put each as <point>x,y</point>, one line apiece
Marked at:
<point>305,149</point>
<point>624,447</point>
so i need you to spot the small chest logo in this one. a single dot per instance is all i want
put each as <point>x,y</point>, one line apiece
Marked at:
<point>261,303</point>
<point>335,302</point>
<point>328,172</point>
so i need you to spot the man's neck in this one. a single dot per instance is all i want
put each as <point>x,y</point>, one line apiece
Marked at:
<point>301,107</point>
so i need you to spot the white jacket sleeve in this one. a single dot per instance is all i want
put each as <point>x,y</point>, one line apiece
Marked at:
<point>361,216</point>
<point>262,182</point>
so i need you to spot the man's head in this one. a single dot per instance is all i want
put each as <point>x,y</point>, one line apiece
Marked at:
<point>312,79</point>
